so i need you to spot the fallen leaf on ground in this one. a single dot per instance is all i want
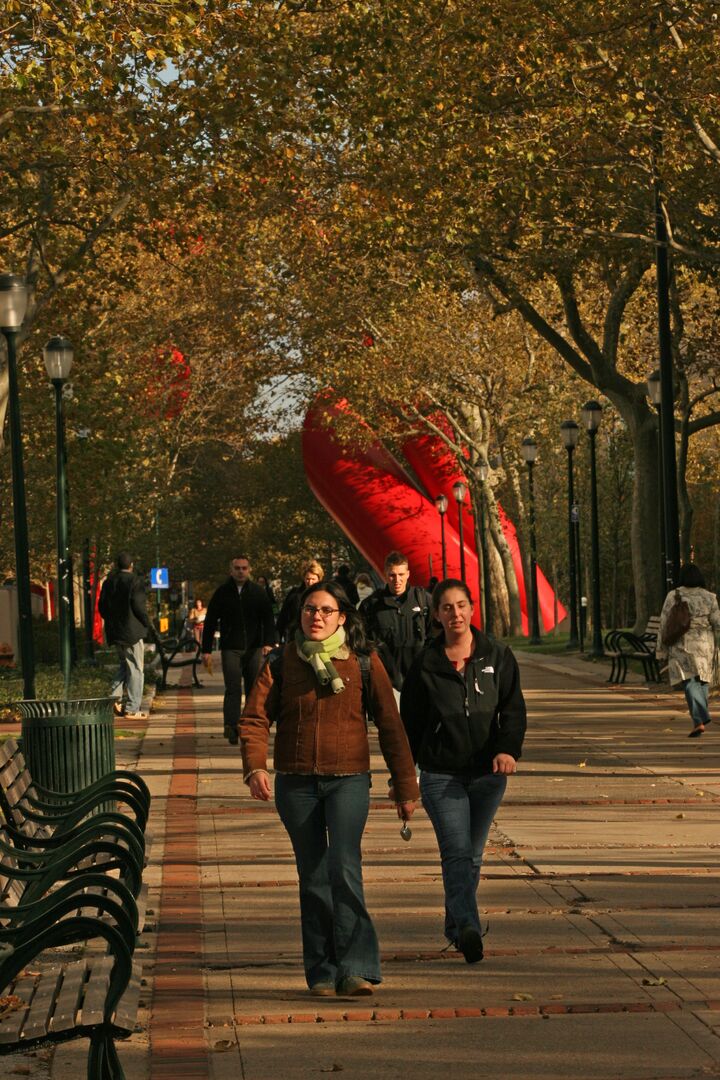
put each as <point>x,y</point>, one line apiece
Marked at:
<point>333,1068</point>
<point>11,1003</point>
<point>654,982</point>
<point>224,1044</point>
<point>582,764</point>
<point>522,997</point>
<point>679,815</point>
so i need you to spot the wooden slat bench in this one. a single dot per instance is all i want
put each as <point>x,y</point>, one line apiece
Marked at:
<point>178,653</point>
<point>49,995</point>
<point>622,646</point>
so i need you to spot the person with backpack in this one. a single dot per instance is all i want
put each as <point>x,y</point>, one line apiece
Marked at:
<point>318,689</point>
<point>398,614</point>
<point>688,638</point>
<point>123,607</point>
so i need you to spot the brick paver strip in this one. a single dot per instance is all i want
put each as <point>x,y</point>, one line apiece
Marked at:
<point>554,1008</point>
<point>178,1048</point>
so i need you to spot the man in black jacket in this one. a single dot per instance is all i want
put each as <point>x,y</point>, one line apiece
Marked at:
<point>398,615</point>
<point>247,633</point>
<point>124,610</point>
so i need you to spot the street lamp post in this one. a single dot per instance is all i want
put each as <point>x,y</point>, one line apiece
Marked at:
<point>441,505</point>
<point>591,417</point>
<point>570,433</point>
<point>654,388</point>
<point>13,305</point>
<point>482,471</point>
<point>459,490</point>
<point>529,454</point>
<point>58,357</point>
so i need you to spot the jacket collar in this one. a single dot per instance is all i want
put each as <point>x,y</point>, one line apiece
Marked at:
<point>435,658</point>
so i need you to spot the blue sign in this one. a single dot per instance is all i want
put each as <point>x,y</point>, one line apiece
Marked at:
<point>159,577</point>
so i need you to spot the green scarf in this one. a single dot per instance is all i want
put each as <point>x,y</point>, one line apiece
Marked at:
<point>318,653</point>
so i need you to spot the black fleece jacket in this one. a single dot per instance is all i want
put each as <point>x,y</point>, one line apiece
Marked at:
<point>245,617</point>
<point>457,723</point>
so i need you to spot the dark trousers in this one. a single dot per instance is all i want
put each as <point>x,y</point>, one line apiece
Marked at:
<point>240,668</point>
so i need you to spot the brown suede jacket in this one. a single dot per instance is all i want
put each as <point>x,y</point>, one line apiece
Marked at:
<point>322,733</point>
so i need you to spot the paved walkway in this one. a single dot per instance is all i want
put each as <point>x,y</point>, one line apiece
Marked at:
<point>601,886</point>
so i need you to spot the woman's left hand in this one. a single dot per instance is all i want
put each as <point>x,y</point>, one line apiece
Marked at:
<point>504,764</point>
<point>405,810</point>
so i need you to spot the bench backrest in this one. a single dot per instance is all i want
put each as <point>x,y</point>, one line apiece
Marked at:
<point>15,783</point>
<point>653,626</point>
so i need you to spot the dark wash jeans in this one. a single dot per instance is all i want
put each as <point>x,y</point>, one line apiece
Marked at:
<point>461,809</point>
<point>325,818</point>
<point>239,666</point>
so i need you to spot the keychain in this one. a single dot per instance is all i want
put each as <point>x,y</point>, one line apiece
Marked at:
<point>406,831</point>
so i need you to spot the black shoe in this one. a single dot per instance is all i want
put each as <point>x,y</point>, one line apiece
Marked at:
<point>231,735</point>
<point>470,944</point>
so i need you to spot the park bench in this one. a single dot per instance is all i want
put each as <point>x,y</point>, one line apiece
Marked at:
<point>178,652</point>
<point>622,646</point>
<point>48,994</point>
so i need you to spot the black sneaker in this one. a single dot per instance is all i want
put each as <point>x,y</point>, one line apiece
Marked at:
<point>470,944</point>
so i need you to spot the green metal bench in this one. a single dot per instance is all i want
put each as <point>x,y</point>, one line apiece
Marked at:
<point>173,654</point>
<point>50,996</point>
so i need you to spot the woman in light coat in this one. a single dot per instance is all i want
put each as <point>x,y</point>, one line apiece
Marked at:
<point>690,660</point>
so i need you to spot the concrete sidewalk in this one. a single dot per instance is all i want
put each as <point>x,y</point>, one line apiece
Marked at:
<point>601,887</point>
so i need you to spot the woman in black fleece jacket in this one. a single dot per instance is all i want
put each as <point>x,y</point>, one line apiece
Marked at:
<point>465,717</point>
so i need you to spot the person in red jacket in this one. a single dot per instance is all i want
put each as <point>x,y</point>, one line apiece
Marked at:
<point>322,782</point>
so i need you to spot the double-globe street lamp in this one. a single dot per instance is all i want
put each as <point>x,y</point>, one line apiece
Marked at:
<point>529,454</point>
<point>459,491</point>
<point>570,433</point>
<point>13,305</point>
<point>58,356</point>
<point>441,504</point>
<point>591,417</point>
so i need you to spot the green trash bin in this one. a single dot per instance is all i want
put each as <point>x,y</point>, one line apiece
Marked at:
<point>68,744</point>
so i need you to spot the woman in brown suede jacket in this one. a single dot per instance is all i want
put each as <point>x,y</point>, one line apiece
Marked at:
<point>322,783</point>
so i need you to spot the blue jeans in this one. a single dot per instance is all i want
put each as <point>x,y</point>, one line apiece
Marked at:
<point>461,809</point>
<point>696,695</point>
<point>325,818</point>
<point>130,675</point>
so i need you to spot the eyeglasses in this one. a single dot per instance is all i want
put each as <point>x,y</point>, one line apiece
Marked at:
<point>323,612</point>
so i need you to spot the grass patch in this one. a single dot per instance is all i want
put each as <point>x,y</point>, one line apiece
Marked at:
<point>85,682</point>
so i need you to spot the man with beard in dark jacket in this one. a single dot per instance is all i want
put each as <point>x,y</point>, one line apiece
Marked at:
<point>124,610</point>
<point>247,633</point>
<point>398,615</point>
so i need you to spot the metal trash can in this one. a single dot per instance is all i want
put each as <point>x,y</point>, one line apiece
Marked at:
<point>68,744</point>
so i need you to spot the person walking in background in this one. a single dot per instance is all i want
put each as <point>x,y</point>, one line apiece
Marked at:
<point>288,620</point>
<point>317,698</point>
<point>398,615</point>
<point>123,606</point>
<point>690,658</point>
<point>465,717</point>
<point>346,583</point>
<point>196,618</point>
<point>247,632</point>
<point>265,584</point>
<point>364,586</point>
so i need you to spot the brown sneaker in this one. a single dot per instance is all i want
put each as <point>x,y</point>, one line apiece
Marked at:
<point>118,708</point>
<point>323,989</point>
<point>354,986</point>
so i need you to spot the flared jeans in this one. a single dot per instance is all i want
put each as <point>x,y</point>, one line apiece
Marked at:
<point>325,818</point>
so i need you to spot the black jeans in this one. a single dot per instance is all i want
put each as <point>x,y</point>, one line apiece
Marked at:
<point>240,668</point>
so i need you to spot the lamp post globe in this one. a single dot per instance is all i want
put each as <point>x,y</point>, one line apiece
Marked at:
<point>58,357</point>
<point>459,492</point>
<point>591,417</point>
<point>570,434</point>
<point>441,504</point>
<point>529,450</point>
<point>13,306</point>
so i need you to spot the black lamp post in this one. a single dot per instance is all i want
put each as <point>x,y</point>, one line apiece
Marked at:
<point>58,357</point>
<point>570,433</point>
<point>441,504</point>
<point>591,417</point>
<point>482,470</point>
<point>13,305</point>
<point>654,388</point>
<point>459,490</point>
<point>529,454</point>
